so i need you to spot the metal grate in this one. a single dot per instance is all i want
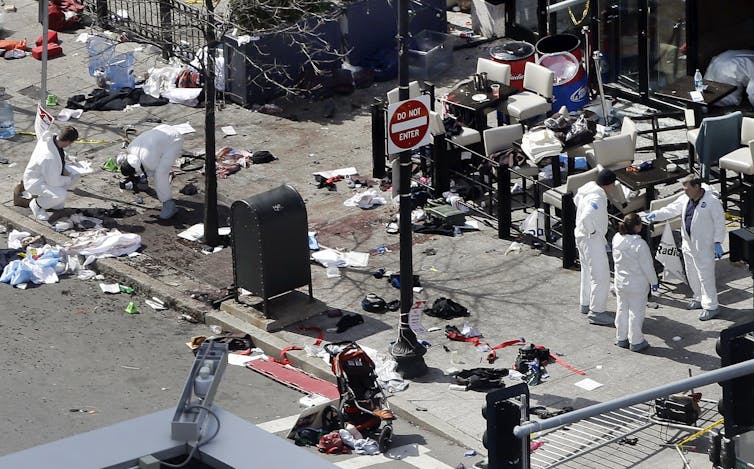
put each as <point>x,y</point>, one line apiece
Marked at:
<point>577,439</point>
<point>567,443</point>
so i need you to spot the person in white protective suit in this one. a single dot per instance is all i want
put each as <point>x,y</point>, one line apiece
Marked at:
<point>152,154</point>
<point>734,67</point>
<point>703,233</point>
<point>634,275</point>
<point>591,228</point>
<point>45,176</point>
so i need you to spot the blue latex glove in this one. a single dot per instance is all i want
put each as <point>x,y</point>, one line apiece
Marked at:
<point>649,216</point>
<point>718,250</point>
<point>655,287</point>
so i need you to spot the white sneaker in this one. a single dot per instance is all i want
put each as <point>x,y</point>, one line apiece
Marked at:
<point>39,213</point>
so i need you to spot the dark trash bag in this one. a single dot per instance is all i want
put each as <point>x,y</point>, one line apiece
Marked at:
<point>582,132</point>
<point>262,156</point>
<point>481,378</point>
<point>558,123</point>
<point>445,308</point>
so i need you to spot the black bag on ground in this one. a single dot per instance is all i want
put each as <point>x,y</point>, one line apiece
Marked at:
<point>261,156</point>
<point>678,408</point>
<point>481,378</point>
<point>373,304</point>
<point>445,308</point>
<point>528,353</point>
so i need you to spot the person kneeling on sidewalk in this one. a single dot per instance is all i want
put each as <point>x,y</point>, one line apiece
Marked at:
<point>45,176</point>
<point>152,155</point>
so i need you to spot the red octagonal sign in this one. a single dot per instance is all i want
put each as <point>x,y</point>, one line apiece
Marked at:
<point>408,124</point>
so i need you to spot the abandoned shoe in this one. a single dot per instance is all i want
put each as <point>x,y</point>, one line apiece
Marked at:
<point>169,209</point>
<point>584,309</point>
<point>708,314</point>
<point>39,213</point>
<point>693,304</point>
<point>600,319</point>
<point>622,343</point>
<point>639,347</point>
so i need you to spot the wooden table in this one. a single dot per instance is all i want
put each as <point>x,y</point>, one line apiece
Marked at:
<point>680,91</point>
<point>461,97</point>
<point>648,179</point>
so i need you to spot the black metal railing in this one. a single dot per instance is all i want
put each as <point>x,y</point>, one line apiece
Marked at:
<point>173,26</point>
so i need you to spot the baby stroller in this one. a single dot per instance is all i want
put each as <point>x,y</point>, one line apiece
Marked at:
<point>362,403</point>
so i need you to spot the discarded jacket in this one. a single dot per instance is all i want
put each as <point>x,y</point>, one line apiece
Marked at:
<point>445,308</point>
<point>477,379</point>
<point>117,100</point>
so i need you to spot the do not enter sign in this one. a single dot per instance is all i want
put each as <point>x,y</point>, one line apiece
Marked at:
<point>408,125</point>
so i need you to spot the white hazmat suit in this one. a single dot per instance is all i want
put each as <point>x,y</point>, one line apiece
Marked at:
<point>634,276</point>
<point>698,247</point>
<point>591,228</point>
<point>44,176</point>
<point>153,153</point>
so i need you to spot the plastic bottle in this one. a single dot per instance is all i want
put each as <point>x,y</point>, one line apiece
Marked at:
<point>7,126</point>
<point>698,81</point>
<point>202,381</point>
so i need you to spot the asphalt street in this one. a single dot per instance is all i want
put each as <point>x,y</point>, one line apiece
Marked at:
<point>75,361</point>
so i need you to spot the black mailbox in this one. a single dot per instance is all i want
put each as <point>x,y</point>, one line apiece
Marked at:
<point>742,245</point>
<point>271,243</point>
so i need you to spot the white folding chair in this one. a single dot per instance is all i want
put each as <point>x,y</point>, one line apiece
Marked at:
<point>536,100</point>
<point>414,90</point>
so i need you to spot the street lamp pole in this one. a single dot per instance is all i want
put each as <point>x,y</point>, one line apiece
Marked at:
<point>211,237</point>
<point>407,351</point>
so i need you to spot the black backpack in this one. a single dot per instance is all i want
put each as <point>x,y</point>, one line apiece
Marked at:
<point>528,353</point>
<point>261,156</point>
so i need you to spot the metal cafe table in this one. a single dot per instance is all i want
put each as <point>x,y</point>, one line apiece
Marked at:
<point>472,104</point>
<point>649,178</point>
<point>680,90</point>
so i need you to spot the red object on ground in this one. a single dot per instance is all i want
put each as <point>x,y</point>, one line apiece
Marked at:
<point>294,378</point>
<point>52,38</point>
<point>53,50</point>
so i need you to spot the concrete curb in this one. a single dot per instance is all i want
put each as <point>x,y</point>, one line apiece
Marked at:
<point>113,268</point>
<point>268,342</point>
<point>403,407</point>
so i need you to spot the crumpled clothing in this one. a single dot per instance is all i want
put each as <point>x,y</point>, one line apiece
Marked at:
<point>103,243</point>
<point>115,100</point>
<point>230,161</point>
<point>540,144</point>
<point>367,199</point>
<point>362,446</point>
<point>15,238</point>
<point>39,266</point>
<point>384,368</point>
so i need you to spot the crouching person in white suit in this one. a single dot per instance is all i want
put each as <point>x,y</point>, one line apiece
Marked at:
<point>153,154</point>
<point>45,176</point>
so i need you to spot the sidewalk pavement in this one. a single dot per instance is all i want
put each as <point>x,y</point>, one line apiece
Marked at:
<point>523,294</point>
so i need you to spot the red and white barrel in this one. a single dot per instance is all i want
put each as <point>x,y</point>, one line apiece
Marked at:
<point>515,54</point>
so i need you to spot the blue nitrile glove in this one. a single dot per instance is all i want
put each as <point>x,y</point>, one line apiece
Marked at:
<point>718,250</point>
<point>655,287</point>
<point>649,216</point>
